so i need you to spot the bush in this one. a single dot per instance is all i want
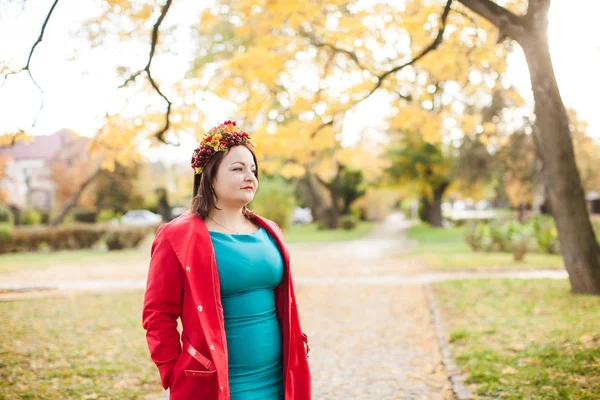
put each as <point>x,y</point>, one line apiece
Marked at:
<point>348,222</point>
<point>479,237</point>
<point>6,214</point>
<point>520,241</point>
<point>358,213</point>
<point>79,236</point>
<point>274,200</point>
<point>546,234</point>
<point>513,236</point>
<point>54,238</point>
<point>5,238</point>
<point>106,216</point>
<point>85,216</point>
<point>125,237</point>
<point>31,217</point>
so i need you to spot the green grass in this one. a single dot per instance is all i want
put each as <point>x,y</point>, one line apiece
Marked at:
<point>296,233</point>
<point>18,261</point>
<point>90,346</point>
<point>310,233</point>
<point>523,339</point>
<point>446,249</point>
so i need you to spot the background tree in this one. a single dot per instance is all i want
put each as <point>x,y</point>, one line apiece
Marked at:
<point>116,190</point>
<point>578,245</point>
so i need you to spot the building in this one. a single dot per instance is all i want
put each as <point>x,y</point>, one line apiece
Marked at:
<point>28,168</point>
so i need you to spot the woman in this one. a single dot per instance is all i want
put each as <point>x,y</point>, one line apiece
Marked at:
<point>225,272</point>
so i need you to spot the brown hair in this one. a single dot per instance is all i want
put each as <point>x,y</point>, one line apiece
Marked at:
<point>204,196</point>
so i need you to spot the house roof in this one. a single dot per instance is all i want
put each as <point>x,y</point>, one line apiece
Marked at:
<point>40,147</point>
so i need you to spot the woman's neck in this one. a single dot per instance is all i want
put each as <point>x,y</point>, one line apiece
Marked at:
<point>231,218</point>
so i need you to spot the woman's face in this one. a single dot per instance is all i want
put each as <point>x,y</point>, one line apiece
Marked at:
<point>235,183</point>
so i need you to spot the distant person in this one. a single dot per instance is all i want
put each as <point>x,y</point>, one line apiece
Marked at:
<point>225,271</point>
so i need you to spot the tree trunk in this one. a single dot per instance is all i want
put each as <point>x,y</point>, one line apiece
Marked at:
<point>334,191</point>
<point>331,214</point>
<point>317,203</point>
<point>163,207</point>
<point>74,199</point>
<point>432,208</point>
<point>578,245</point>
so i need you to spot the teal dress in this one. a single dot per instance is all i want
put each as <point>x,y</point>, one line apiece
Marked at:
<point>250,267</point>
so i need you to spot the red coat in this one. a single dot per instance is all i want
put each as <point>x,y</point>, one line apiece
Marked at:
<point>183,282</point>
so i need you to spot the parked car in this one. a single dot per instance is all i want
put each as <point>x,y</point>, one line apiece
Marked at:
<point>302,216</point>
<point>140,218</point>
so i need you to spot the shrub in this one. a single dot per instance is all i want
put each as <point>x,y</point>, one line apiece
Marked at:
<point>85,216</point>
<point>5,239</point>
<point>106,216</point>
<point>479,237</point>
<point>348,222</point>
<point>31,217</point>
<point>546,234</point>
<point>125,237</point>
<point>274,200</point>
<point>515,237</point>
<point>6,214</point>
<point>34,238</point>
<point>520,242</point>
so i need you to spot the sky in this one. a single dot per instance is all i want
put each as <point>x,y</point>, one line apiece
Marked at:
<point>80,85</point>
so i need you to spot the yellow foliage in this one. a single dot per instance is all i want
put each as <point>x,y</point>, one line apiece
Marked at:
<point>9,139</point>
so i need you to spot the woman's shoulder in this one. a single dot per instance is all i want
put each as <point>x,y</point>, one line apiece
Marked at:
<point>262,221</point>
<point>182,222</point>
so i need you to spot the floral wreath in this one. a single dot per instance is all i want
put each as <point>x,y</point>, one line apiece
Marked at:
<point>220,138</point>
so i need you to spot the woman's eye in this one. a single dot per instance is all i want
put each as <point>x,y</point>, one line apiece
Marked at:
<point>237,169</point>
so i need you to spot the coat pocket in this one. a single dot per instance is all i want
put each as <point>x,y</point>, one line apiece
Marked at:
<point>199,357</point>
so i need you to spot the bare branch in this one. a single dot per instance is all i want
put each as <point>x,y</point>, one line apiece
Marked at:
<point>350,54</point>
<point>155,31</point>
<point>27,65</point>
<point>39,39</point>
<point>432,46</point>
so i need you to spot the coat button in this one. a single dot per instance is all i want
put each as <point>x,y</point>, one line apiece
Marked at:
<point>221,388</point>
<point>200,308</point>
<point>212,347</point>
<point>188,269</point>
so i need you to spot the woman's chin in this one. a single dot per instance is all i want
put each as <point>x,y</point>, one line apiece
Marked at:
<point>243,200</point>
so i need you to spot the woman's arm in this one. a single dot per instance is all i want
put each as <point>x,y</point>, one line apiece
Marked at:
<point>162,305</point>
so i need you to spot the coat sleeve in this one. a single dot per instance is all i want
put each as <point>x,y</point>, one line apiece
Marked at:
<point>162,306</point>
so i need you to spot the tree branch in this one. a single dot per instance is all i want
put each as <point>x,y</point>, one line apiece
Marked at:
<point>155,31</point>
<point>434,44</point>
<point>27,66</point>
<point>336,49</point>
<point>322,182</point>
<point>508,24</point>
<point>320,127</point>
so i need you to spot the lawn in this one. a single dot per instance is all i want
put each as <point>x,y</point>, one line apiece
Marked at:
<point>12,262</point>
<point>523,339</point>
<point>85,347</point>
<point>294,234</point>
<point>446,250</point>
